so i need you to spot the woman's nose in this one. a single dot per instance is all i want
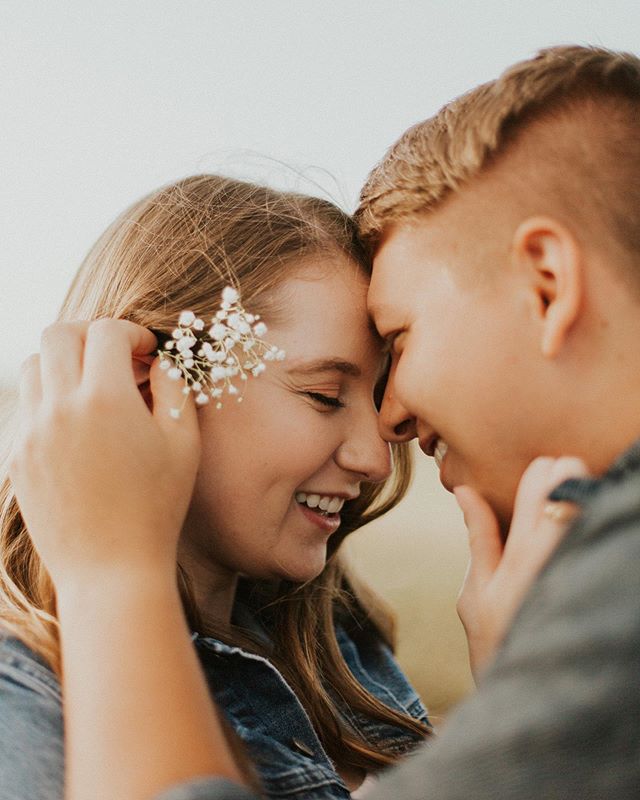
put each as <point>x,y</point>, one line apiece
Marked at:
<point>364,452</point>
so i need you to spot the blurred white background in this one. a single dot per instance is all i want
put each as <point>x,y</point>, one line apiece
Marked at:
<point>103,101</point>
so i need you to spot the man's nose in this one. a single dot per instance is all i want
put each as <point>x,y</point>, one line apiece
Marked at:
<point>395,423</point>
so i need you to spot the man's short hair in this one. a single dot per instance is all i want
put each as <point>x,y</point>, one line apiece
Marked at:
<point>588,101</point>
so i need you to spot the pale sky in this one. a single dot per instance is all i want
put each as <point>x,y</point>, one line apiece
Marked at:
<point>104,101</point>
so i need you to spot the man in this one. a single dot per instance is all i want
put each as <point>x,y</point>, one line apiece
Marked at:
<point>506,234</point>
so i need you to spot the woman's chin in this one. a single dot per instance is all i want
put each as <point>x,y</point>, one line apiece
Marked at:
<point>302,571</point>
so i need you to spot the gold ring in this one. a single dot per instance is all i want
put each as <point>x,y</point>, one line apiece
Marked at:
<point>559,511</point>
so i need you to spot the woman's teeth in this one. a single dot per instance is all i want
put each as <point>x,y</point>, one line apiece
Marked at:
<point>440,452</point>
<point>321,502</point>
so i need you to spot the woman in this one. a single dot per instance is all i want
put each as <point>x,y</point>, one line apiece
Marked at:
<point>293,651</point>
<point>260,576</point>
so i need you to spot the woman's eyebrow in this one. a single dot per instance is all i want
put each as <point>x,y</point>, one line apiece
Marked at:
<point>326,365</point>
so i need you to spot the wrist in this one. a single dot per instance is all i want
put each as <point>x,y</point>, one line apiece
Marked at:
<point>115,588</point>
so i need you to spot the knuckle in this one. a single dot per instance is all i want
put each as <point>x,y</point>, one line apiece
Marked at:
<point>49,334</point>
<point>23,448</point>
<point>16,456</point>
<point>99,399</point>
<point>568,466</point>
<point>105,326</point>
<point>462,610</point>
<point>539,467</point>
<point>30,363</point>
<point>100,327</point>
<point>55,415</point>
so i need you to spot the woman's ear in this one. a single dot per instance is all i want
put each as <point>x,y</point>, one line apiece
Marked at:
<point>141,369</point>
<point>551,260</point>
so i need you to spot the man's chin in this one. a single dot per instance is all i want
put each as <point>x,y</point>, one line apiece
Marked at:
<point>502,507</point>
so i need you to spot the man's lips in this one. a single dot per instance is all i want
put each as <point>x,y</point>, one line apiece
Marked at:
<point>428,444</point>
<point>436,448</point>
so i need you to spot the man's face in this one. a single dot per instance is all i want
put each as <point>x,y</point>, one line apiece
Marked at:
<point>466,354</point>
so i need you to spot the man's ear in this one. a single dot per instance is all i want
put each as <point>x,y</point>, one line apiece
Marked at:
<point>551,260</point>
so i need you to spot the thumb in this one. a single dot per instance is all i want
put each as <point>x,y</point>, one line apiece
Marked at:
<point>175,412</point>
<point>485,544</point>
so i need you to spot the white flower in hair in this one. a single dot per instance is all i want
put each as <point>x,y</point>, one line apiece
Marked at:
<point>207,361</point>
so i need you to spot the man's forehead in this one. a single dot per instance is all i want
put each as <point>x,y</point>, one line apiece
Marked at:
<point>384,299</point>
<point>389,277</point>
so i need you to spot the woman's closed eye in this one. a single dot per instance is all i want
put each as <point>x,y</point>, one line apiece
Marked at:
<point>326,400</point>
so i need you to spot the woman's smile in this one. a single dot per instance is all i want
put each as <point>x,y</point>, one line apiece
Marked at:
<point>326,521</point>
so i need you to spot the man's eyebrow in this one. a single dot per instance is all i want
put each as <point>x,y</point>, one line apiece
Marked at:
<point>326,365</point>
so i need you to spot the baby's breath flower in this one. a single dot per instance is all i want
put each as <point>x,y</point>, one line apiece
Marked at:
<point>260,329</point>
<point>230,295</point>
<point>185,343</point>
<point>208,361</point>
<point>218,331</point>
<point>187,318</point>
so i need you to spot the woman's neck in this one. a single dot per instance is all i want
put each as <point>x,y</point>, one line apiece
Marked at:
<point>213,586</point>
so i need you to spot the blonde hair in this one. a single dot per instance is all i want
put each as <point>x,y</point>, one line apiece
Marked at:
<point>589,165</point>
<point>176,249</point>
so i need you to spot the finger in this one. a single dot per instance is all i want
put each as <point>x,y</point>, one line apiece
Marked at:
<point>535,533</point>
<point>61,351</point>
<point>29,400</point>
<point>535,484</point>
<point>175,413</point>
<point>110,346</point>
<point>485,544</point>
<point>30,386</point>
<point>557,516</point>
<point>560,511</point>
<point>565,468</point>
<point>141,367</point>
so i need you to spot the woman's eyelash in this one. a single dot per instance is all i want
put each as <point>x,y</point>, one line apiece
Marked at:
<point>332,402</point>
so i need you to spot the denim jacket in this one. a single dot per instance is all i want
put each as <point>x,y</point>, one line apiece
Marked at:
<point>254,696</point>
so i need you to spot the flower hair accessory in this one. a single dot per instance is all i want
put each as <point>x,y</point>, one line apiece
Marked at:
<point>211,361</point>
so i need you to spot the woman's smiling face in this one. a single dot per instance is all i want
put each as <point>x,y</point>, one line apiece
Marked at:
<point>306,426</point>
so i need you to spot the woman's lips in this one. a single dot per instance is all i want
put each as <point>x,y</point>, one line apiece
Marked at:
<point>329,523</point>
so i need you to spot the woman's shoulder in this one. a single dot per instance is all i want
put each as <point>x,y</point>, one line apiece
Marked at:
<point>31,725</point>
<point>21,666</point>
